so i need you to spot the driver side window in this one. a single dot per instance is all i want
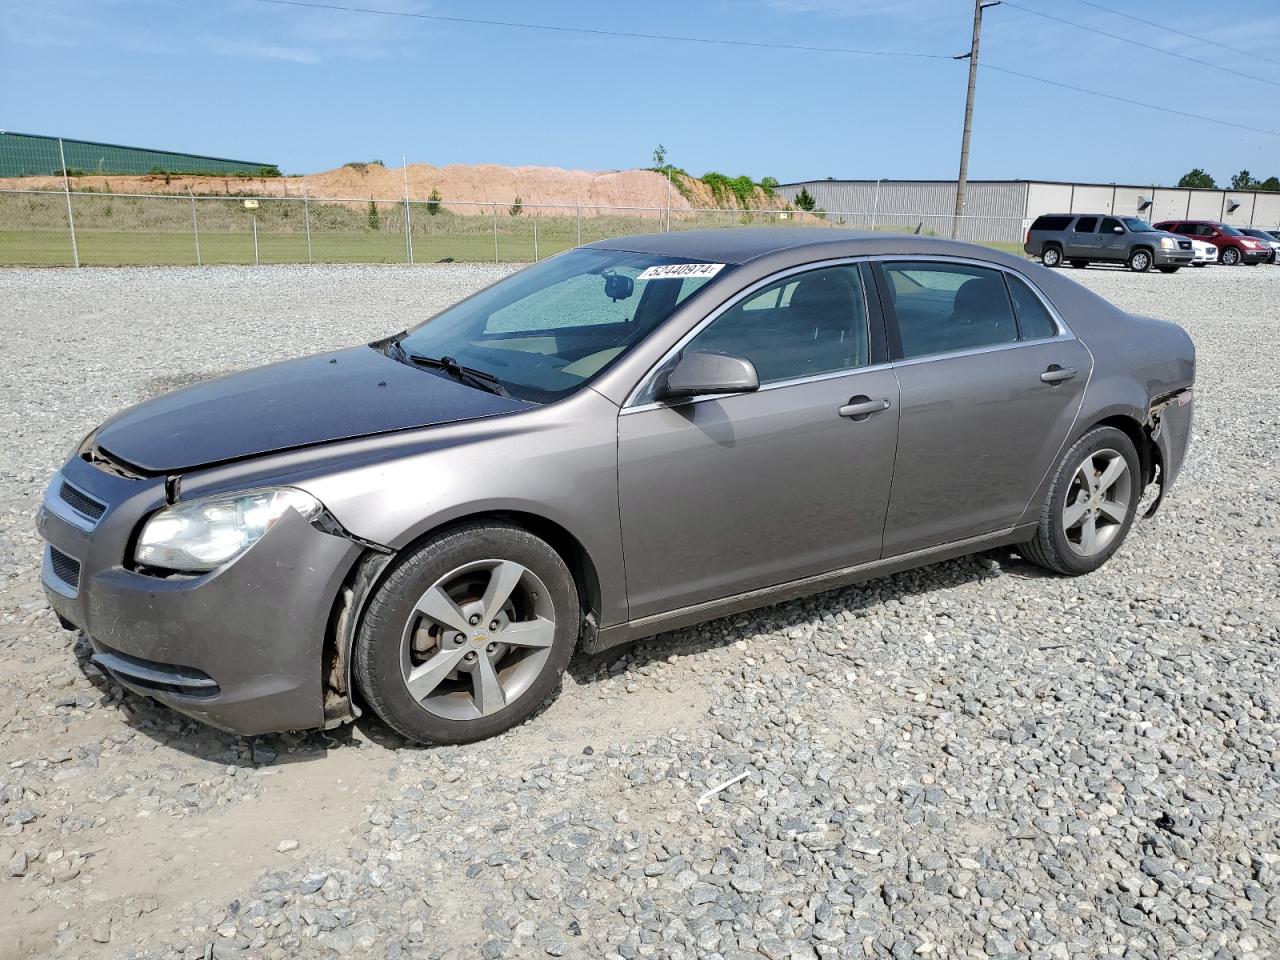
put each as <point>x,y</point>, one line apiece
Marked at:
<point>800,326</point>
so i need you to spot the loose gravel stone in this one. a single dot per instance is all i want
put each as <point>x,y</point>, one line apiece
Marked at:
<point>969,760</point>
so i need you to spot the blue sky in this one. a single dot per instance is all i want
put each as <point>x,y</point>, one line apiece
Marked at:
<point>312,89</point>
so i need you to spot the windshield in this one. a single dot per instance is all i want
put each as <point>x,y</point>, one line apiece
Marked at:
<point>1138,226</point>
<point>546,331</point>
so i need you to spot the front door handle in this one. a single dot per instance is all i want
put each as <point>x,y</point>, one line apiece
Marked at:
<point>861,407</point>
<point>1057,374</point>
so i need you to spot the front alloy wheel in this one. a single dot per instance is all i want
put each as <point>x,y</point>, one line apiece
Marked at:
<point>1097,503</point>
<point>1090,506</point>
<point>468,634</point>
<point>1140,261</point>
<point>477,639</point>
<point>1230,256</point>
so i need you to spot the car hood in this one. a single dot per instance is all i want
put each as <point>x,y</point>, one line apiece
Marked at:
<point>331,396</point>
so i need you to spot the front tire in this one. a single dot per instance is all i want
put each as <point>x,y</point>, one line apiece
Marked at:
<point>1051,256</point>
<point>468,635</point>
<point>1091,504</point>
<point>1140,261</point>
<point>1230,257</point>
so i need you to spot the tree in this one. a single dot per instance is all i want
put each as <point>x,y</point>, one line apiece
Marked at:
<point>660,156</point>
<point>768,185</point>
<point>1198,178</point>
<point>374,220</point>
<point>1270,185</point>
<point>433,202</point>
<point>804,200</point>
<point>516,207</point>
<point>1242,181</point>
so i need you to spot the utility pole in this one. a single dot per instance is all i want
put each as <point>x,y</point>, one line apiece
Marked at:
<point>962,181</point>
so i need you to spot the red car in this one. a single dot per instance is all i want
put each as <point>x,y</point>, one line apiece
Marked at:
<point>1233,246</point>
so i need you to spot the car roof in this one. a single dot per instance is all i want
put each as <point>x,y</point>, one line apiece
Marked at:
<point>738,245</point>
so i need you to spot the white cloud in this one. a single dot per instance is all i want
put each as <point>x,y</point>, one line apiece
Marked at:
<point>251,49</point>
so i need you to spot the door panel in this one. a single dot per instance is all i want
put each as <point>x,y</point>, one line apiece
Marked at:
<point>1083,243</point>
<point>977,433</point>
<point>730,494</point>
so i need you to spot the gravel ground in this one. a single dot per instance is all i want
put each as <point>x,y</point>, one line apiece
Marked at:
<point>971,760</point>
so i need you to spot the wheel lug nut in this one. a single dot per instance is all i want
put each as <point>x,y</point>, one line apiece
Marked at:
<point>475,618</point>
<point>459,639</point>
<point>493,625</point>
<point>490,648</point>
<point>470,657</point>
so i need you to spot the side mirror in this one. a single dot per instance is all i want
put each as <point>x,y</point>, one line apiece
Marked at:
<point>696,374</point>
<point>1117,229</point>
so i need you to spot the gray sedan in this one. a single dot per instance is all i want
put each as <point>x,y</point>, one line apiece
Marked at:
<point>631,437</point>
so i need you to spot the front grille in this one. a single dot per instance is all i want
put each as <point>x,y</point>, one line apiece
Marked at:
<point>65,568</point>
<point>81,502</point>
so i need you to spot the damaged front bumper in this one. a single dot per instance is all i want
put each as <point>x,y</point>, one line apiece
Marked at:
<point>1169,427</point>
<point>242,648</point>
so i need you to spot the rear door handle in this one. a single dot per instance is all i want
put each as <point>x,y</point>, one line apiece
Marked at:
<point>1057,374</point>
<point>861,407</point>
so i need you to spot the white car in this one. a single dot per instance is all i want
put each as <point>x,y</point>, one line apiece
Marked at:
<point>1203,253</point>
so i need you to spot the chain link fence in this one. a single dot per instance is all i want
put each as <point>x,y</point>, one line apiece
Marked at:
<point>81,228</point>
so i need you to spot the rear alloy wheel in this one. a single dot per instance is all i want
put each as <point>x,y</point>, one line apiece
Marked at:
<point>1051,256</point>
<point>1091,504</point>
<point>1079,264</point>
<point>1230,256</point>
<point>468,635</point>
<point>1140,261</point>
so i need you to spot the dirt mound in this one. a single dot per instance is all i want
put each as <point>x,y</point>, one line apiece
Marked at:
<point>465,188</point>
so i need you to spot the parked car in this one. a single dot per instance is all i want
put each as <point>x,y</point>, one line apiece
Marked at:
<point>1203,252</point>
<point>1081,239</point>
<point>1265,237</point>
<point>630,437</point>
<point>1233,246</point>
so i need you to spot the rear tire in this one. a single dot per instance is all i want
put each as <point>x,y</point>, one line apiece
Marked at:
<point>1051,256</point>
<point>1140,260</point>
<point>1088,511</point>
<point>1229,257</point>
<point>468,634</point>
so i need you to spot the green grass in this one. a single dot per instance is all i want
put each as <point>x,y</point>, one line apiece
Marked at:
<point>460,238</point>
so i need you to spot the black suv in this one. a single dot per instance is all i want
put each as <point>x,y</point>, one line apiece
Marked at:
<point>1084,238</point>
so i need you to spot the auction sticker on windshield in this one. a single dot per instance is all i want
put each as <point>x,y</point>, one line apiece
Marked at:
<point>669,270</point>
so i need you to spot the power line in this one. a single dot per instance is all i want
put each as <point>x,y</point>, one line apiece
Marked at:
<point>1135,103</point>
<point>590,31</point>
<point>1137,43</point>
<point>607,33</point>
<point>1181,33</point>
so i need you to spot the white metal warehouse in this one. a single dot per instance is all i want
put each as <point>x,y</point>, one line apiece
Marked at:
<point>1001,210</point>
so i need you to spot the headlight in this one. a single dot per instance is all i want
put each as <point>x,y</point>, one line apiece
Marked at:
<point>204,534</point>
<point>1168,243</point>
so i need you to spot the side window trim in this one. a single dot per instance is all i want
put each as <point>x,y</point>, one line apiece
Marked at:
<point>876,326</point>
<point>895,352</point>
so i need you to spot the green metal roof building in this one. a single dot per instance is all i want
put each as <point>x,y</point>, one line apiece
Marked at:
<point>31,155</point>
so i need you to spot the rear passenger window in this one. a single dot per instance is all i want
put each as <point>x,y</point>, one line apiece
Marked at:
<point>1050,222</point>
<point>1087,225</point>
<point>942,308</point>
<point>1034,322</point>
<point>804,325</point>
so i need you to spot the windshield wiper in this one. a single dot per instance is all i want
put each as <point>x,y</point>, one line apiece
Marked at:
<point>463,374</point>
